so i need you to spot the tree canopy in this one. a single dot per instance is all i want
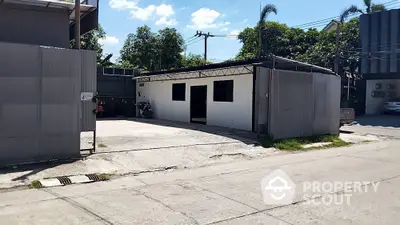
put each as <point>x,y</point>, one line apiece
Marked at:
<point>153,51</point>
<point>90,41</point>
<point>279,40</point>
<point>311,46</point>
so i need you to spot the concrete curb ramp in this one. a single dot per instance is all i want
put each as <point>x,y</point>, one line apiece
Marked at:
<point>68,180</point>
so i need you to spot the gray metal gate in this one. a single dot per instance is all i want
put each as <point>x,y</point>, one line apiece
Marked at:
<point>88,102</point>
<point>41,114</point>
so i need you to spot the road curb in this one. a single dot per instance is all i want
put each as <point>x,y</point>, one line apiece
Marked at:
<point>68,180</point>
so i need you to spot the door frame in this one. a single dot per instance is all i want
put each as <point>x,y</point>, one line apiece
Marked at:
<point>190,104</point>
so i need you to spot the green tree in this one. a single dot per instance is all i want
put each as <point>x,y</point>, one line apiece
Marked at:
<point>323,52</point>
<point>152,51</point>
<point>169,48</point>
<point>369,8</point>
<point>193,60</point>
<point>266,11</point>
<point>140,49</point>
<point>279,40</point>
<point>90,41</point>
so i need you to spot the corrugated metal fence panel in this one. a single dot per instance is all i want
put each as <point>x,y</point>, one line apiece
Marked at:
<point>39,102</point>
<point>261,99</point>
<point>320,103</point>
<point>326,104</point>
<point>60,87</point>
<point>291,105</point>
<point>89,84</point>
<point>19,102</point>
<point>334,93</point>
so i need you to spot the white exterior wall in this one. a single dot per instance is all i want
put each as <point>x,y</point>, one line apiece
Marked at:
<point>236,114</point>
<point>374,106</point>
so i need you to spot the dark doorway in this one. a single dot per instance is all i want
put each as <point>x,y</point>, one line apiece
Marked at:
<point>198,104</point>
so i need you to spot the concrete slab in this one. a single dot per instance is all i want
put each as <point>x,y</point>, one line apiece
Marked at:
<point>364,208</point>
<point>52,182</point>
<point>22,197</point>
<point>254,219</point>
<point>384,155</point>
<point>93,188</point>
<point>205,207</point>
<point>45,213</point>
<point>127,206</point>
<point>79,179</point>
<point>245,187</point>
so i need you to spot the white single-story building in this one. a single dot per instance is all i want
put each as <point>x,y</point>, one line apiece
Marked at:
<point>277,96</point>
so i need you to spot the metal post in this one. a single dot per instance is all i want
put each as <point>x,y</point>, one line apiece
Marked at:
<point>348,89</point>
<point>77,24</point>
<point>337,58</point>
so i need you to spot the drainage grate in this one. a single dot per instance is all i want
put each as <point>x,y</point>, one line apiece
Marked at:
<point>64,180</point>
<point>93,177</point>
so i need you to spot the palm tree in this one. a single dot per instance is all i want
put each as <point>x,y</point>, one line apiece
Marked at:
<point>370,8</point>
<point>267,10</point>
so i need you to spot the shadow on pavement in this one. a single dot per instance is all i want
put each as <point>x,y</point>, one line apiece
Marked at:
<point>380,120</point>
<point>33,169</point>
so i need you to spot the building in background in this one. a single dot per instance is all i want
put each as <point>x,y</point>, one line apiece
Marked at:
<point>331,26</point>
<point>380,61</point>
<point>116,92</point>
<point>46,89</point>
<point>275,96</point>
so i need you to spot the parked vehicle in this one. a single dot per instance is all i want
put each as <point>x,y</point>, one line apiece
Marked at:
<point>347,116</point>
<point>392,106</point>
<point>145,110</point>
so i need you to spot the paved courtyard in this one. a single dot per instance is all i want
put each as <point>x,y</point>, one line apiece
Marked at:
<point>140,146</point>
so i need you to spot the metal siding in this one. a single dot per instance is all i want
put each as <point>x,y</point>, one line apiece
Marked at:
<point>326,94</point>
<point>364,35</point>
<point>40,102</point>
<point>19,102</point>
<point>89,78</point>
<point>60,89</point>
<point>261,108</point>
<point>321,105</point>
<point>303,104</point>
<point>374,59</point>
<point>394,39</point>
<point>384,42</point>
<point>35,25</point>
<point>291,104</point>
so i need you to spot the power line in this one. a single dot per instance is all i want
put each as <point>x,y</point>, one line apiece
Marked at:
<point>319,23</point>
<point>194,41</point>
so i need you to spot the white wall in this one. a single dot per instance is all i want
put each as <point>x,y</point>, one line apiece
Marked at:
<point>373,105</point>
<point>236,114</point>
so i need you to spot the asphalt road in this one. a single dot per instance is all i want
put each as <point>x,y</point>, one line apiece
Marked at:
<point>228,193</point>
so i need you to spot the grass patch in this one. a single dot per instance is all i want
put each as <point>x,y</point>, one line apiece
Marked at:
<point>35,184</point>
<point>296,144</point>
<point>102,145</point>
<point>104,176</point>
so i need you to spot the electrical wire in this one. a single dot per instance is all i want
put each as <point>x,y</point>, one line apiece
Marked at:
<point>194,42</point>
<point>323,22</point>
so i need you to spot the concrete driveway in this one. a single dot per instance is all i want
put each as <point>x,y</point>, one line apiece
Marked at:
<point>142,134</point>
<point>384,126</point>
<point>142,146</point>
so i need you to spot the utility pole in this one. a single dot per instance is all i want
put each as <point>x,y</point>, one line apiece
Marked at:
<point>206,36</point>
<point>77,24</point>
